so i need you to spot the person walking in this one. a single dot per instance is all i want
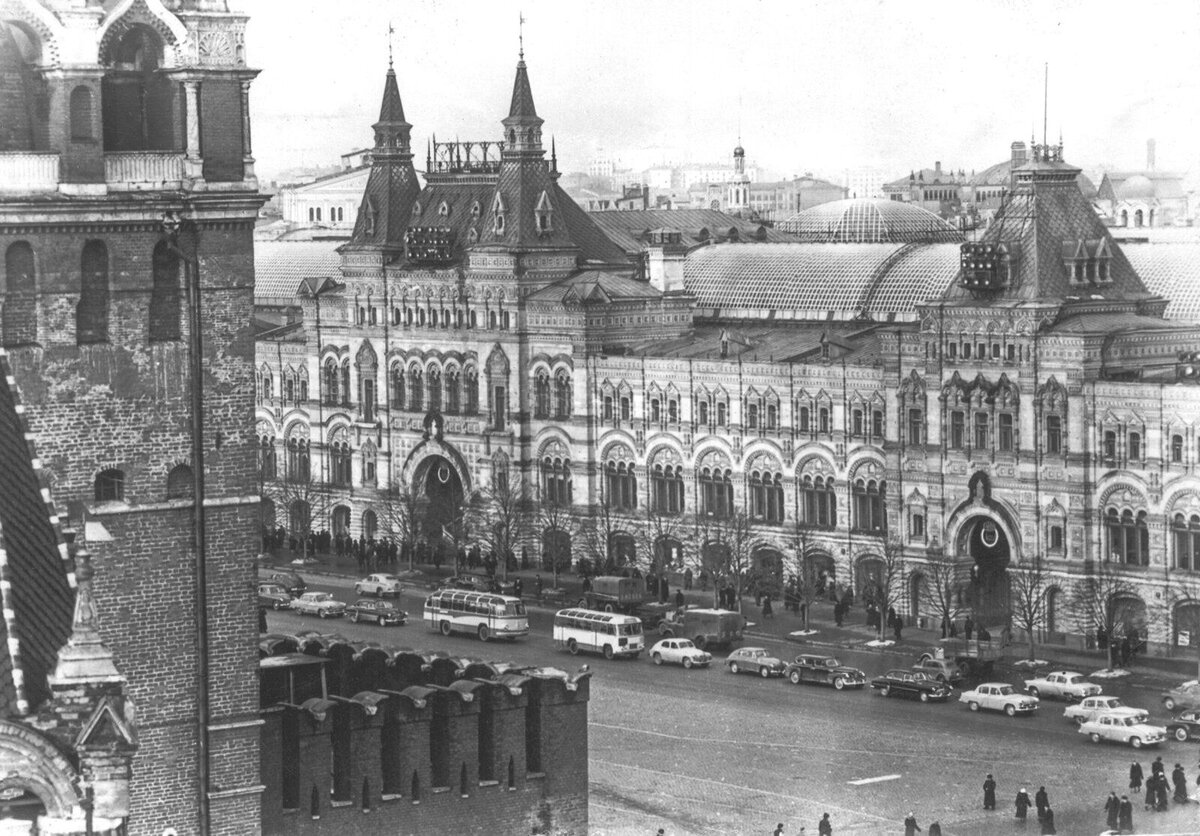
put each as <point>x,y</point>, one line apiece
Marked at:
<point>1135,777</point>
<point>1022,803</point>
<point>1112,809</point>
<point>1125,815</point>
<point>911,828</point>
<point>1161,804</point>
<point>935,829</point>
<point>1158,767</point>
<point>778,830</point>
<point>1179,778</point>
<point>989,793</point>
<point>1047,819</point>
<point>679,599</point>
<point>1042,800</point>
<point>766,607</point>
<point>825,826</point>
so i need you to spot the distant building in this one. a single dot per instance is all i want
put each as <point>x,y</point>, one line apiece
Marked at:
<point>1146,198</point>
<point>744,196</point>
<point>330,202</point>
<point>864,182</point>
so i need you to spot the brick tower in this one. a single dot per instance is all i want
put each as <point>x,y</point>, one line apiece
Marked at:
<point>127,205</point>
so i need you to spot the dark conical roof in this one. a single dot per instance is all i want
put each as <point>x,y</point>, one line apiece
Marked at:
<point>392,109</point>
<point>522,97</point>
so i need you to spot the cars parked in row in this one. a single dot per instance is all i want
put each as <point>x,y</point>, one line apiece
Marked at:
<point>999,696</point>
<point>754,660</point>
<point>914,684</point>
<point>1123,728</point>
<point>1185,726</point>
<point>320,604</point>
<point>272,596</point>
<point>378,585</point>
<point>290,581</point>
<point>1185,696</point>
<point>824,670</point>
<point>680,652</point>
<point>382,613</point>
<point>1090,708</point>
<point>1063,685</point>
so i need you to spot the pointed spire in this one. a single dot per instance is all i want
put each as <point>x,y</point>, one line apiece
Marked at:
<point>522,126</point>
<point>85,657</point>
<point>553,156</point>
<point>522,97</point>
<point>392,109</point>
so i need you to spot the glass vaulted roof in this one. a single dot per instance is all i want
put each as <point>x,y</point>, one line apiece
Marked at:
<point>863,221</point>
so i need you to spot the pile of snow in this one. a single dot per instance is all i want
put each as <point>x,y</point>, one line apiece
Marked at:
<point>1109,673</point>
<point>803,633</point>
<point>880,643</point>
<point>1031,663</point>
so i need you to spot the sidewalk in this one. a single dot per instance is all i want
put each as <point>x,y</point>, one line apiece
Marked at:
<point>853,635</point>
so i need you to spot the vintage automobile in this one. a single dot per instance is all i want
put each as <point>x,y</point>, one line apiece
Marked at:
<point>706,627</point>
<point>824,670</point>
<point>1123,728</point>
<point>754,660</point>
<point>680,652</point>
<point>378,585</point>
<point>943,670</point>
<point>1185,696</point>
<point>1066,685</point>
<point>320,604</point>
<point>1089,708</point>
<point>381,612</point>
<point>290,581</point>
<point>273,596</point>
<point>999,696</point>
<point>913,684</point>
<point>1185,726</point>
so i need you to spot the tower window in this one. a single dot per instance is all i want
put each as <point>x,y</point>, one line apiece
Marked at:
<point>164,294</point>
<point>110,486</point>
<point>81,114</point>
<point>19,315</point>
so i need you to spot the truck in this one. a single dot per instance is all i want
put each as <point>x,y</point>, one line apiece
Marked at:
<point>613,593</point>
<point>706,628</point>
<point>959,658</point>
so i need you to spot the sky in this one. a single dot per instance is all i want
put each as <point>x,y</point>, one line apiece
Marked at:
<point>809,85</point>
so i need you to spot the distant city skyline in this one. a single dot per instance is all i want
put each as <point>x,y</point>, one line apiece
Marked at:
<point>810,86</point>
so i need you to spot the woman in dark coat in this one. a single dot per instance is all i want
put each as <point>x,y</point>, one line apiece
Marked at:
<point>1112,809</point>
<point>1135,777</point>
<point>989,793</point>
<point>1180,781</point>
<point>1042,800</point>
<point>1125,815</point>
<point>1161,804</point>
<point>1047,818</point>
<point>1022,804</point>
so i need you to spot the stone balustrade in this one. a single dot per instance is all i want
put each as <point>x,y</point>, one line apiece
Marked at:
<point>143,170</point>
<point>28,171</point>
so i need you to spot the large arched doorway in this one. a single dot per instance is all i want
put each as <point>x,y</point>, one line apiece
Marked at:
<point>20,809</point>
<point>1128,617</point>
<point>556,549</point>
<point>440,492</point>
<point>622,549</point>
<point>985,542</point>
<point>668,552</point>
<point>820,572</point>
<point>299,517</point>
<point>1186,633</point>
<point>370,524</point>
<point>340,520</point>
<point>916,594</point>
<point>767,565</point>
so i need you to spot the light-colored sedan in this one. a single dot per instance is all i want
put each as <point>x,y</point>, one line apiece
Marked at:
<point>378,585</point>
<point>680,652</point>
<point>1092,707</point>
<point>320,604</point>
<point>1123,728</point>
<point>1066,685</point>
<point>999,696</point>
<point>755,660</point>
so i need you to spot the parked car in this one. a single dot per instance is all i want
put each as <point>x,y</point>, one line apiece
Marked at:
<point>754,660</point>
<point>1123,728</point>
<point>999,696</point>
<point>1066,685</point>
<point>381,612</point>
<point>320,604</point>
<point>1090,708</point>
<point>914,684</point>
<point>273,596</point>
<point>943,670</point>
<point>706,627</point>
<point>680,652</point>
<point>1185,726</point>
<point>378,585</point>
<point>290,581</point>
<point>472,583</point>
<point>1185,696</point>
<point>824,670</point>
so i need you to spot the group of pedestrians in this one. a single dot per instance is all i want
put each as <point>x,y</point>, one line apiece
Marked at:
<point>1158,784</point>
<point>1021,805</point>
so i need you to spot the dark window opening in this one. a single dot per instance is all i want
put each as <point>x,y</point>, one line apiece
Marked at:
<point>91,312</point>
<point>110,486</point>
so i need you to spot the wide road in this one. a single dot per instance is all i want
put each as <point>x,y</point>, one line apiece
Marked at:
<point>707,752</point>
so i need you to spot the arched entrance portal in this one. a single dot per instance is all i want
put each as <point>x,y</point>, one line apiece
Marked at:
<point>440,492</point>
<point>19,811</point>
<point>668,552</point>
<point>986,543</point>
<point>767,565</point>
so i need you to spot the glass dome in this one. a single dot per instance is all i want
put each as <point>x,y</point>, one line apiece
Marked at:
<point>863,221</point>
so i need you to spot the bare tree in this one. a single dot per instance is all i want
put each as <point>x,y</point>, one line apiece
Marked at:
<point>805,572</point>
<point>599,535</point>
<point>656,531</point>
<point>1093,600</point>
<point>1183,588</point>
<point>1029,590</point>
<point>302,499</point>
<point>501,514</point>
<point>887,585</point>
<point>557,521</point>
<point>727,543</point>
<point>400,512</point>
<point>942,587</point>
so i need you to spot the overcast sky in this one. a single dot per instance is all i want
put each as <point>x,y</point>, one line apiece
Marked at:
<point>816,85</point>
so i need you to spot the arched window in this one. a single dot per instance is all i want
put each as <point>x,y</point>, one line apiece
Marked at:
<point>1185,531</point>
<point>722,413</point>
<point>20,296</point>
<point>302,385</point>
<point>556,480</point>
<point>803,419</point>
<point>752,416</point>
<point>471,390</point>
<point>434,386</point>
<point>655,411</point>
<point>369,456</point>
<point>368,382</point>
<point>298,470</point>
<point>339,458</point>
<point>180,484</point>
<point>818,502</point>
<point>81,114</point>
<point>110,486</point>
<point>331,382</point>
<point>666,489</point>
<point>345,393</point>
<point>541,395</point>
<point>397,387</point>
<point>289,386</point>
<point>869,503</point>
<point>91,312</point>
<point>416,390</point>
<point>702,413</point>
<point>1128,537</point>
<point>716,491</point>
<point>766,497</point>
<point>453,392</point>
<point>266,457</point>
<point>1176,449</point>
<point>1135,447</point>
<point>620,485</point>
<point>626,408</point>
<point>562,396</point>
<point>823,420</point>
<point>164,294</point>
<point>266,384</point>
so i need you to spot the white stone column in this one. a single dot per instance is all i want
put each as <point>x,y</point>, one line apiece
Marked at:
<point>193,164</point>
<point>247,153</point>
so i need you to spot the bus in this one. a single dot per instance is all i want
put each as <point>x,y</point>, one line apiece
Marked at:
<point>612,634</point>
<point>486,614</point>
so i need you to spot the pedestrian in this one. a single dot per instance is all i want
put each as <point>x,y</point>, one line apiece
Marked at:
<point>1161,804</point>
<point>825,826</point>
<point>1042,800</point>
<point>679,599</point>
<point>1180,780</point>
<point>838,613</point>
<point>661,832</point>
<point>1125,815</point>
<point>517,586</point>
<point>897,625</point>
<point>935,829</point>
<point>1158,767</point>
<point>1022,803</point>
<point>687,578</point>
<point>911,828</point>
<point>778,830</point>
<point>766,607</point>
<point>1047,819</point>
<point>1112,809</point>
<point>968,628</point>
<point>537,586</point>
<point>1135,777</point>
<point>989,793</point>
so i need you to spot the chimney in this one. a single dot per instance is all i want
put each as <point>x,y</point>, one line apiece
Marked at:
<point>937,167</point>
<point>1150,154</point>
<point>664,260</point>
<point>1018,154</point>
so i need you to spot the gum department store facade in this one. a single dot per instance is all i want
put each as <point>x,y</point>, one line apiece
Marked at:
<point>983,402</point>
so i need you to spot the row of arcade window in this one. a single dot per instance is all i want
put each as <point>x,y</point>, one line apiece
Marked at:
<point>1134,449</point>
<point>967,350</point>
<point>1128,538</point>
<point>412,316</point>
<point>981,431</point>
<point>415,391</point>
<point>294,385</point>
<point>19,320</point>
<point>298,462</point>
<point>336,214</point>
<point>552,399</point>
<point>109,485</point>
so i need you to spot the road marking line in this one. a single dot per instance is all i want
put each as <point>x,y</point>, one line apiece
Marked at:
<point>876,780</point>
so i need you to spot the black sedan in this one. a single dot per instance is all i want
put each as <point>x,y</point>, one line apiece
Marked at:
<point>372,609</point>
<point>912,684</point>
<point>1185,726</point>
